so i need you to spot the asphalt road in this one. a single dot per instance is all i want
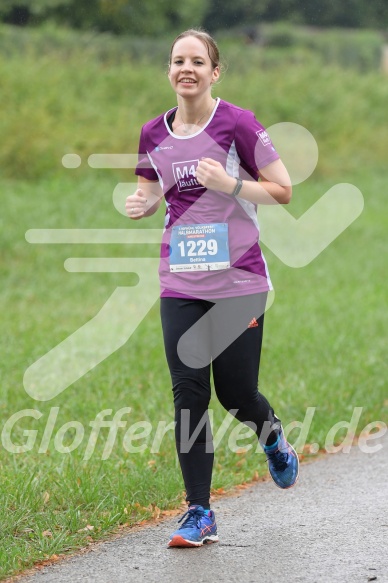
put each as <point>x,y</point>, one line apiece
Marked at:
<point>332,526</point>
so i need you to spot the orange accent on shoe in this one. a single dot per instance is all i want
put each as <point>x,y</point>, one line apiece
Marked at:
<point>179,541</point>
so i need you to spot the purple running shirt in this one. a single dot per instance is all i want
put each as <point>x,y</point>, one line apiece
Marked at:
<point>233,137</point>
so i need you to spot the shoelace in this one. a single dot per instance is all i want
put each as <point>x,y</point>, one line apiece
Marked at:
<point>193,519</point>
<point>279,460</point>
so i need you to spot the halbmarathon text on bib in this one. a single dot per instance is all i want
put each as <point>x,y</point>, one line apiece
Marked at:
<point>199,247</point>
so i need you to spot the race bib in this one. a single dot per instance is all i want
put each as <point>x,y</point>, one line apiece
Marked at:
<point>199,247</point>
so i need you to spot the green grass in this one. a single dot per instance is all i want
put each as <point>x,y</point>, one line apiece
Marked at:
<point>324,335</point>
<point>323,348</point>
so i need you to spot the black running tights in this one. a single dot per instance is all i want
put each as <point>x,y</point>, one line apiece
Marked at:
<point>225,336</point>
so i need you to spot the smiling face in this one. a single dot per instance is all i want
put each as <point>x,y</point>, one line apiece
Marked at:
<point>191,72</point>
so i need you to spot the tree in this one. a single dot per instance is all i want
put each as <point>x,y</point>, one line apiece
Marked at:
<point>150,17</point>
<point>222,14</point>
<point>22,12</point>
<point>159,17</point>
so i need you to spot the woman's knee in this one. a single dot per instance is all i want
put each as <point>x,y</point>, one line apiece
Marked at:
<point>191,394</point>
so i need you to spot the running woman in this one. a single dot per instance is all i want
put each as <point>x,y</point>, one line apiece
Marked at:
<point>213,162</point>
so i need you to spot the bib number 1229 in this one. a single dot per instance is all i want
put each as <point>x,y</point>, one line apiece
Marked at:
<point>198,248</point>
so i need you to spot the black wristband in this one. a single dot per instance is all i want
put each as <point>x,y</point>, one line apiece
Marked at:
<point>238,187</point>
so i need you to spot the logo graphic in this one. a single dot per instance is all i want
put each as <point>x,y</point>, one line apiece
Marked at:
<point>253,323</point>
<point>264,137</point>
<point>295,241</point>
<point>184,174</point>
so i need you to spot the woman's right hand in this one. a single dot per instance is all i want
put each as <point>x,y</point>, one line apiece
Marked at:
<point>136,205</point>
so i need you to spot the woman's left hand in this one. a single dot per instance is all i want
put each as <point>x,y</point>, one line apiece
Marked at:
<point>212,175</point>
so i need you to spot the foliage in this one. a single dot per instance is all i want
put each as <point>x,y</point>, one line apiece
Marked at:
<point>157,17</point>
<point>149,17</point>
<point>349,48</point>
<point>112,75</point>
<point>348,13</point>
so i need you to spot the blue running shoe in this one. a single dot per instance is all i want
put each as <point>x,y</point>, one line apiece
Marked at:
<point>198,529</point>
<point>283,462</point>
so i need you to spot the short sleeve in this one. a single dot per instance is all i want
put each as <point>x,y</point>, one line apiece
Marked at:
<point>253,144</point>
<point>144,167</point>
